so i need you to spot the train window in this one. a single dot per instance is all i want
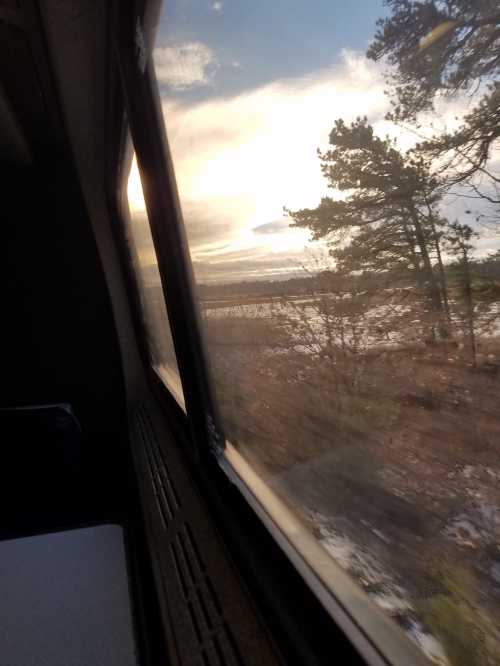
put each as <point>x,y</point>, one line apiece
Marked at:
<point>145,264</point>
<point>350,294</point>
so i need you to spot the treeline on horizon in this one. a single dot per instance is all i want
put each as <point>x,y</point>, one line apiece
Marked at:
<point>485,273</point>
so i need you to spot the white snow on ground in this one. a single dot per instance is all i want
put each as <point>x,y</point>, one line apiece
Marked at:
<point>428,644</point>
<point>391,597</point>
<point>479,523</point>
<point>391,603</point>
<point>321,319</point>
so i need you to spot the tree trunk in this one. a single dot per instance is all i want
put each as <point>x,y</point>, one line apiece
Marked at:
<point>469,305</point>
<point>442,275</point>
<point>432,288</point>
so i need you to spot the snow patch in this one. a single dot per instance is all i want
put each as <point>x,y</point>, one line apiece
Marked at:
<point>380,586</point>
<point>429,645</point>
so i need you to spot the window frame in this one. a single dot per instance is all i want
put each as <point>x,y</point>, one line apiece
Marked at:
<point>227,481</point>
<point>122,213</point>
<point>142,102</point>
<point>132,269</point>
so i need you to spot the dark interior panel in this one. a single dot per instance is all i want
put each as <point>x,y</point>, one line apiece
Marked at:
<point>58,341</point>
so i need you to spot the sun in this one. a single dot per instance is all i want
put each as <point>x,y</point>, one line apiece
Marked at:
<point>135,194</point>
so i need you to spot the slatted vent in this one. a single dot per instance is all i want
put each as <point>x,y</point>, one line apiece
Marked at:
<point>166,495</point>
<point>215,642</point>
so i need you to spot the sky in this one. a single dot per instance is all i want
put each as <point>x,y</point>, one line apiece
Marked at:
<point>249,92</point>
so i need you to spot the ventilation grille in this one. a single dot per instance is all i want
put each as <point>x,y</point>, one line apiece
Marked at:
<point>167,498</point>
<point>213,641</point>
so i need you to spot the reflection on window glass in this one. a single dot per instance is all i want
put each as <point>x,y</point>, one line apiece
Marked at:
<point>342,206</point>
<point>154,312</point>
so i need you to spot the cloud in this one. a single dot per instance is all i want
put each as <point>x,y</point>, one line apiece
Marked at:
<point>240,159</point>
<point>206,230</point>
<point>185,65</point>
<point>217,6</point>
<point>254,268</point>
<point>271,227</point>
<point>260,146</point>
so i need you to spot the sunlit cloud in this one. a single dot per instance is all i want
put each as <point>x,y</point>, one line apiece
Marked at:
<point>185,65</point>
<point>239,160</point>
<point>274,227</point>
<point>217,6</point>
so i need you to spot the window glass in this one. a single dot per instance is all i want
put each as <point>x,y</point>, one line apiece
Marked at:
<point>339,173</point>
<point>154,312</point>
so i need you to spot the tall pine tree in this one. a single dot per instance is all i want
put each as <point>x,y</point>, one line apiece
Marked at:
<point>383,219</point>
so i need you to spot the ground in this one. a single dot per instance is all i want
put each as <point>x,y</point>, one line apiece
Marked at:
<point>391,456</point>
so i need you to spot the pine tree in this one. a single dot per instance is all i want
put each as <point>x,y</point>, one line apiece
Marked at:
<point>385,220</point>
<point>436,47</point>
<point>444,48</point>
